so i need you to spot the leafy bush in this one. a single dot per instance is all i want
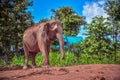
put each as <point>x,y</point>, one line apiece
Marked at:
<point>70,59</point>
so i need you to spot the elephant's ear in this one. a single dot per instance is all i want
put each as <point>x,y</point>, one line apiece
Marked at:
<point>45,27</point>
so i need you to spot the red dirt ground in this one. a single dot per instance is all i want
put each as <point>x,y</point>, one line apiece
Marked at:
<point>80,72</point>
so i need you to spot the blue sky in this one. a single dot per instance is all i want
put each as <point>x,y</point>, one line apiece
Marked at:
<point>88,8</point>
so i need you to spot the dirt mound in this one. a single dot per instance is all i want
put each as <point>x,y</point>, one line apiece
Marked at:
<point>10,67</point>
<point>81,72</point>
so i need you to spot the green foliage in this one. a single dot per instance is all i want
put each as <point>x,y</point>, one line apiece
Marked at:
<point>70,59</point>
<point>112,8</point>
<point>55,59</point>
<point>2,62</point>
<point>43,20</point>
<point>98,41</point>
<point>18,60</point>
<point>14,19</point>
<point>70,20</point>
<point>39,59</point>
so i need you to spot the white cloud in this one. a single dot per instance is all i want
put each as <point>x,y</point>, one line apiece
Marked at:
<point>93,9</point>
<point>101,2</point>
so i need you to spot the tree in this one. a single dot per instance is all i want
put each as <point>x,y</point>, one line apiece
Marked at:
<point>14,19</point>
<point>43,20</point>
<point>98,41</point>
<point>70,20</point>
<point>112,8</point>
<point>23,20</point>
<point>5,8</point>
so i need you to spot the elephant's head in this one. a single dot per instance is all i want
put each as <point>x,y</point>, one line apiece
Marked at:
<point>54,30</point>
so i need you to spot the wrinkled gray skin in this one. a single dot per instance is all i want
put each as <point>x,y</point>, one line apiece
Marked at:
<point>38,38</point>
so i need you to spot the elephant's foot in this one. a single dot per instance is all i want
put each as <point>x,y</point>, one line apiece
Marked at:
<point>45,66</point>
<point>45,69</point>
<point>25,67</point>
<point>33,66</point>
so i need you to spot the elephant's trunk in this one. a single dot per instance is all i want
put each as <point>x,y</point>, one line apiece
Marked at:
<point>61,43</point>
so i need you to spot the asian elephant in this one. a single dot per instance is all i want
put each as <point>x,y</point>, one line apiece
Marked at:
<point>39,37</point>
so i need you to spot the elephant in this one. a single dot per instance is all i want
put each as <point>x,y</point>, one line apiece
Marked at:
<point>38,38</point>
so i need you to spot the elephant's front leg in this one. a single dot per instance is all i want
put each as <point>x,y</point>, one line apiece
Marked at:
<point>45,53</point>
<point>45,59</point>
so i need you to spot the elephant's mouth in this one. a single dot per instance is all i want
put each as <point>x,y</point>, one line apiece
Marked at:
<point>52,38</point>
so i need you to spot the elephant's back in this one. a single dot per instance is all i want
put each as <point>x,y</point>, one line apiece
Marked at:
<point>32,29</point>
<point>30,34</point>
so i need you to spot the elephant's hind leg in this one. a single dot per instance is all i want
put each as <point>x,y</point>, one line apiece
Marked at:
<point>33,59</point>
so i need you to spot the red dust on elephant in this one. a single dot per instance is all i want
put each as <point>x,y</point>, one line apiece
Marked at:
<point>38,38</point>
